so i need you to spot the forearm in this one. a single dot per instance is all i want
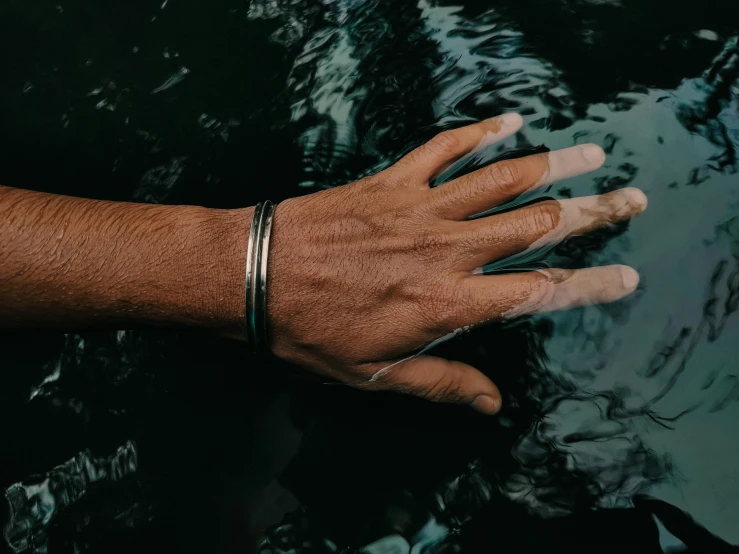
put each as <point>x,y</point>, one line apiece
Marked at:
<point>74,262</point>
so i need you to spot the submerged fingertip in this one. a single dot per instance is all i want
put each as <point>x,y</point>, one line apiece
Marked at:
<point>629,277</point>
<point>636,197</point>
<point>594,154</point>
<point>511,119</point>
<point>506,124</point>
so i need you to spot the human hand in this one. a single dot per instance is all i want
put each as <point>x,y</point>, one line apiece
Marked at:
<point>363,275</point>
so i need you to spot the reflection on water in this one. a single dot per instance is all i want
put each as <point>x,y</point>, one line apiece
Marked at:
<point>618,420</point>
<point>35,503</point>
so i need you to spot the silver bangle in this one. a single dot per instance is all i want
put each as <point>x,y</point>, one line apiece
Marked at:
<point>257,257</point>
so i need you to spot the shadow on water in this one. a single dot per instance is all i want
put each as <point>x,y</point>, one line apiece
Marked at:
<point>163,441</point>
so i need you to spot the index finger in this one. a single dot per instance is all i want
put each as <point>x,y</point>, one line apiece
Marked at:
<point>430,159</point>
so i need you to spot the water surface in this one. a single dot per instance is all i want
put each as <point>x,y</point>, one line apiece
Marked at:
<point>168,441</point>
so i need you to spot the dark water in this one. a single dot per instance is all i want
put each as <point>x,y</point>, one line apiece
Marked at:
<point>619,421</point>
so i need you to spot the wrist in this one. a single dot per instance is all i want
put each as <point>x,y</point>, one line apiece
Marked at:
<point>218,269</point>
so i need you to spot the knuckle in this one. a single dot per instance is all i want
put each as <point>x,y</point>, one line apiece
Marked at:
<point>446,142</point>
<point>506,175</point>
<point>543,217</point>
<point>442,309</point>
<point>446,388</point>
<point>540,295</point>
<point>446,310</point>
<point>398,219</point>
<point>430,244</point>
<point>388,178</point>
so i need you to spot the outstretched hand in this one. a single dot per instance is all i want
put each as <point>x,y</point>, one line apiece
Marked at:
<point>363,276</point>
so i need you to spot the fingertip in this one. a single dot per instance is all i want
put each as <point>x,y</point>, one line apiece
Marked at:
<point>501,127</point>
<point>510,121</point>
<point>486,404</point>
<point>636,198</point>
<point>572,161</point>
<point>629,277</point>
<point>594,155</point>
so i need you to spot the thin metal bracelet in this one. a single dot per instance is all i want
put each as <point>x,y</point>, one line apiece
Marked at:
<point>251,248</point>
<point>261,343</point>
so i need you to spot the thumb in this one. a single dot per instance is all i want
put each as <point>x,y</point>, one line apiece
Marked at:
<point>442,380</point>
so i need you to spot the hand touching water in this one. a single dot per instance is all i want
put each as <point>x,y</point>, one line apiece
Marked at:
<point>360,277</point>
<point>363,275</point>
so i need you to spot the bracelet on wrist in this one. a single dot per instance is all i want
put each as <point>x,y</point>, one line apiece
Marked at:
<point>257,257</point>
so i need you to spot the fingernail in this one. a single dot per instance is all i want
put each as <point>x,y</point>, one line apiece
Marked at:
<point>594,154</point>
<point>629,277</point>
<point>486,404</point>
<point>509,122</point>
<point>512,119</point>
